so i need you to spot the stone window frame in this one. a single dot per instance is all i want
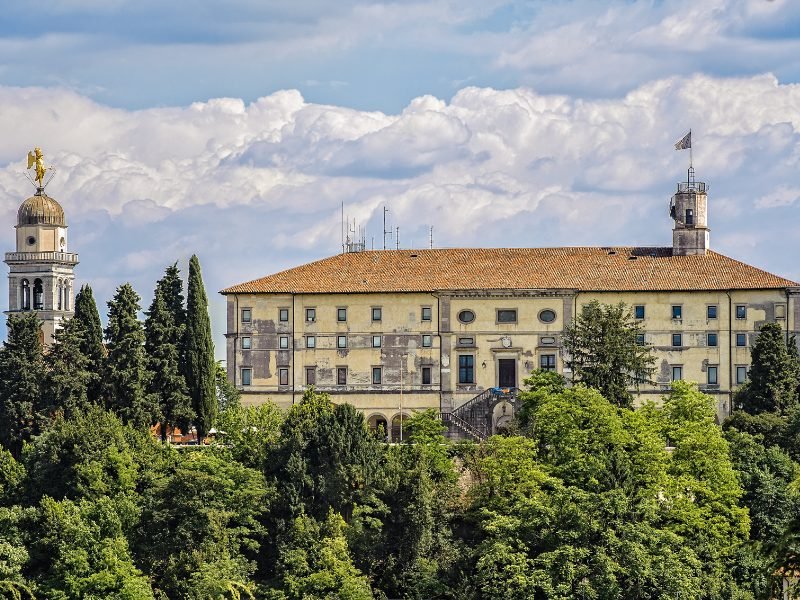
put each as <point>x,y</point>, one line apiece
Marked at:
<point>466,369</point>
<point>246,311</point>
<point>311,314</point>
<point>676,312</point>
<point>313,379</point>
<point>427,337</point>
<point>739,370</point>
<point>429,371</point>
<point>429,310</point>
<point>248,380</point>
<point>379,338</point>
<point>743,338</point>
<point>708,339</point>
<point>676,369</point>
<point>313,340</point>
<point>709,308</point>
<point>339,344</point>
<point>339,314</point>
<point>379,371</point>
<point>341,375</point>
<point>506,310</point>
<point>548,362</point>
<point>380,314</point>
<point>281,312</point>
<point>246,342</point>
<point>679,338</point>
<point>283,376</point>
<point>636,308</point>
<point>283,342</point>
<point>715,370</point>
<point>741,309</point>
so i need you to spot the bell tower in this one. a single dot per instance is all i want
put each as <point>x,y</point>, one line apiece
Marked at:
<point>41,276</point>
<point>689,209</point>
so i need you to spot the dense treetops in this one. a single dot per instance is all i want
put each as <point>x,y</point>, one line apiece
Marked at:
<point>587,499</point>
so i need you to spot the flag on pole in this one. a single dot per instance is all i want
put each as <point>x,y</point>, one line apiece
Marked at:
<point>685,142</point>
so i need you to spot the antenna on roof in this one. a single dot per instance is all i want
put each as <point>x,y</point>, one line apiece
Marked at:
<point>385,231</point>
<point>431,240</point>
<point>341,227</point>
<point>356,240</point>
<point>397,239</point>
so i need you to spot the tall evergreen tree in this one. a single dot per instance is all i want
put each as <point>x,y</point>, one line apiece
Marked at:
<point>126,373</point>
<point>68,376</point>
<point>604,351</point>
<point>773,378</point>
<point>91,344</point>
<point>199,348</point>
<point>21,378</point>
<point>171,287</point>
<point>166,383</point>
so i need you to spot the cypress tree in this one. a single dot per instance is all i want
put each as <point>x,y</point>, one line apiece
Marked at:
<point>171,287</point>
<point>91,343</point>
<point>126,373</point>
<point>199,351</point>
<point>166,383</point>
<point>68,374</point>
<point>21,379</point>
<point>773,378</point>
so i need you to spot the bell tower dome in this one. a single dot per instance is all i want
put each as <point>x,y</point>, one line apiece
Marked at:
<point>41,276</point>
<point>689,210</point>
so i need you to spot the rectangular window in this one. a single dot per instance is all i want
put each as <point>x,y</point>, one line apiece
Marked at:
<point>712,376</point>
<point>677,311</point>
<point>466,368</point>
<point>640,339</point>
<point>247,376</point>
<point>247,315</point>
<point>376,341</point>
<point>246,341</point>
<point>283,315</point>
<point>311,315</point>
<point>427,341</point>
<point>283,376</point>
<point>638,311</point>
<point>311,341</point>
<point>426,375</point>
<point>283,342</point>
<point>311,375</point>
<point>341,341</point>
<point>341,376</point>
<point>711,339</point>
<point>741,339</point>
<point>547,362</point>
<point>377,313</point>
<point>506,315</point>
<point>341,314</point>
<point>426,313</point>
<point>711,311</point>
<point>677,339</point>
<point>677,373</point>
<point>741,311</point>
<point>780,311</point>
<point>377,373</point>
<point>741,375</point>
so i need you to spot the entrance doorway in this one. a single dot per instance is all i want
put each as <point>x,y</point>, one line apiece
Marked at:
<point>507,373</point>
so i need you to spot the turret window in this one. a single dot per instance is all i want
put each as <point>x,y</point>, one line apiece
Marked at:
<point>60,294</point>
<point>689,216</point>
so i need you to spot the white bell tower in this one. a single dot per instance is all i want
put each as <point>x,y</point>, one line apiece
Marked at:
<point>41,277</point>
<point>689,210</point>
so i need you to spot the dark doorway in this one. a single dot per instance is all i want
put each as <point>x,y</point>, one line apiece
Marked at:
<point>507,376</point>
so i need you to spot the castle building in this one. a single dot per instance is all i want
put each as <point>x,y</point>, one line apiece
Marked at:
<point>41,276</point>
<point>457,330</point>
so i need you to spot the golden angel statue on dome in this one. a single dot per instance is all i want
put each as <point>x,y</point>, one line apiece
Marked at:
<point>36,158</point>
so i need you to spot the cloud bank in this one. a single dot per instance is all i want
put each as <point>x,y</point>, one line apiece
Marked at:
<point>256,187</point>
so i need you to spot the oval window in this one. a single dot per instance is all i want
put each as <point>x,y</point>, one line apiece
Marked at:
<point>547,316</point>
<point>31,240</point>
<point>466,316</point>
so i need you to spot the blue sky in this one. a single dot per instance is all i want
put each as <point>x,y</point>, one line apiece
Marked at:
<point>236,129</point>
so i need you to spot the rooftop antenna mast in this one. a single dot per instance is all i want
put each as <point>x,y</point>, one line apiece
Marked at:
<point>397,238</point>
<point>385,231</point>
<point>431,240</point>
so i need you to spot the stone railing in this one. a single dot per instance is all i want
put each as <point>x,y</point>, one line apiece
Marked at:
<point>62,257</point>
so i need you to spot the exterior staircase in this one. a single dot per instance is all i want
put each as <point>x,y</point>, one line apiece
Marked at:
<point>473,419</point>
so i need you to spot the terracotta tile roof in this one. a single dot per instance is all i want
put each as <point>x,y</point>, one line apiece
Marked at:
<point>589,269</point>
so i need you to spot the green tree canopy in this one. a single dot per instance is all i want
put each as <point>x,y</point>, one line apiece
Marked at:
<point>200,369</point>
<point>88,318</point>
<point>165,383</point>
<point>21,378</point>
<point>127,375</point>
<point>773,376</point>
<point>603,353</point>
<point>68,376</point>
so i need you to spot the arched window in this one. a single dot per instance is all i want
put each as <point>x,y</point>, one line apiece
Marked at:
<point>26,295</point>
<point>66,295</point>
<point>60,294</point>
<point>38,295</point>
